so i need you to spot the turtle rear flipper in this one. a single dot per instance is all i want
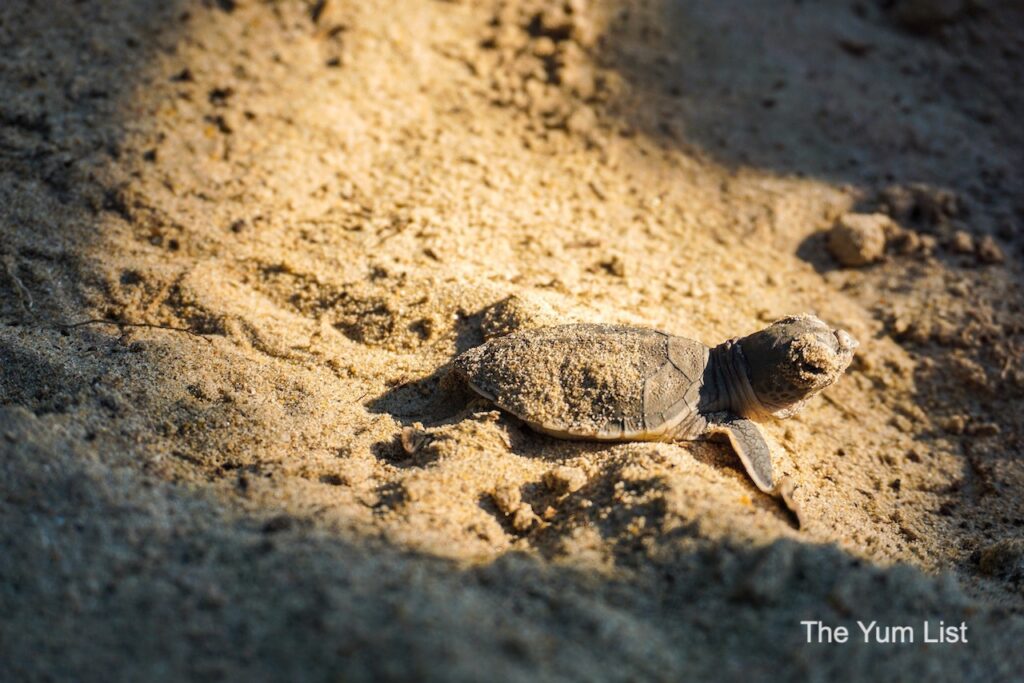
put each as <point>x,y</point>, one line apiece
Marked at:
<point>785,488</point>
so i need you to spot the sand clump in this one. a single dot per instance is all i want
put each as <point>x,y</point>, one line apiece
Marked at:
<point>518,312</point>
<point>565,479</point>
<point>859,239</point>
<point>509,500</point>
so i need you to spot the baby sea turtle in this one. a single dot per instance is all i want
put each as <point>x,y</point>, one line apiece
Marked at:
<point>621,383</point>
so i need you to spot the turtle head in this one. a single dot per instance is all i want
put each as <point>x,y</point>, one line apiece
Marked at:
<point>793,359</point>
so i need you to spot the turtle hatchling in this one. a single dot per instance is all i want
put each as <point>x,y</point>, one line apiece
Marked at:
<point>622,383</point>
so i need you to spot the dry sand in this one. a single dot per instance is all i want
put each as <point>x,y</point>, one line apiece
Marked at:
<point>299,213</point>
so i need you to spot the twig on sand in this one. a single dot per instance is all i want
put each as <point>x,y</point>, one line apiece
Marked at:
<point>119,323</point>
<point>24,296</point>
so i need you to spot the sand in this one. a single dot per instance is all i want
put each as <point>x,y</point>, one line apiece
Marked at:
<point>242,241</point>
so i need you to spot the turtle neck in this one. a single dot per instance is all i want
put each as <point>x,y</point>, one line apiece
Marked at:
<point>727,382</point>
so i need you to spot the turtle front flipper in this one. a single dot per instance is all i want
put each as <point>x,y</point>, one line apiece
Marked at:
<point>751,445</point>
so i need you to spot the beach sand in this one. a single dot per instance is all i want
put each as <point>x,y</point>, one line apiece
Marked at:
<point>242,242</point>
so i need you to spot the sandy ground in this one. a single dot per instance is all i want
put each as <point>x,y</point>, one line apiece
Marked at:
<point>296,214</point>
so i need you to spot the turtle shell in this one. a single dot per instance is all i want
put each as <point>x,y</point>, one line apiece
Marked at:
<point>586,381</point>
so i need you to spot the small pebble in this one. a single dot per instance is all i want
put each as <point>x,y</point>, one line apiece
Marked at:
<point>413,438</point>
<point>954,424</point>
<point>984,429</point>
<point>524,518</point>
<point>565,479</point>
<point>927,206</point>
<point>961,243</point>
<point>989,251</point>
<point>507,497</point>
